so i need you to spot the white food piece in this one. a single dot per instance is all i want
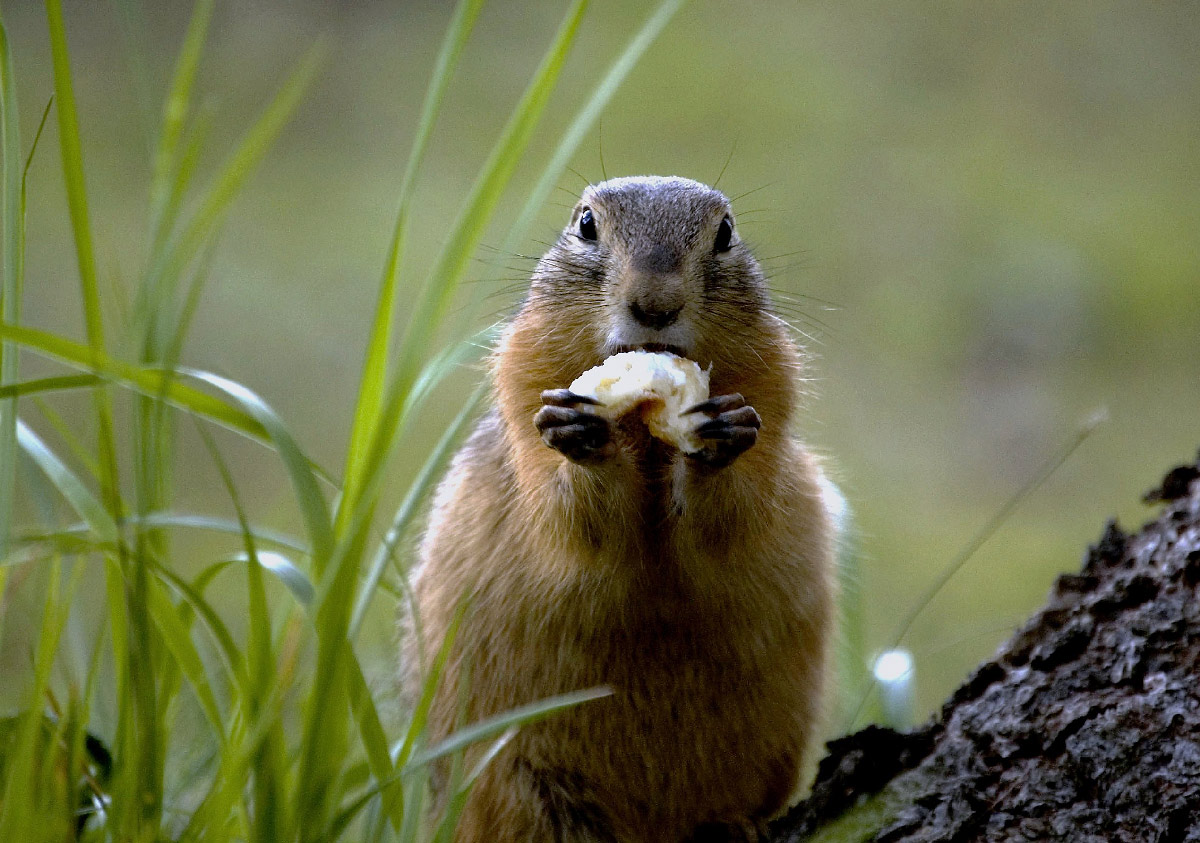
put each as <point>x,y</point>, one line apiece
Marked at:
<point>662,384</point>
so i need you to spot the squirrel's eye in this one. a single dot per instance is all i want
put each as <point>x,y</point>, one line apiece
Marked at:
<point>587,225</point>
<point>724,236</point>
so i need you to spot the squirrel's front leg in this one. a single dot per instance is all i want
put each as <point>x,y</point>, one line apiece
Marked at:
<point>587,485</point>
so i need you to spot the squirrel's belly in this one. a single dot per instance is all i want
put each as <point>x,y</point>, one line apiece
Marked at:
<point>696,725</point>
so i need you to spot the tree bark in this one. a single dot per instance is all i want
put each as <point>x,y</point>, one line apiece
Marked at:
<point>1084,727</point>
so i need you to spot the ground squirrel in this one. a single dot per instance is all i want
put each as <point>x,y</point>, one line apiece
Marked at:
<point>697,586</point>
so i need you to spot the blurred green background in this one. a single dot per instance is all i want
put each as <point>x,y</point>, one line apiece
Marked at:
<point>988,212</point>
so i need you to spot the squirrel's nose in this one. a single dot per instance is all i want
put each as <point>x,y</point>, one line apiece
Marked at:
<point>653,317</point>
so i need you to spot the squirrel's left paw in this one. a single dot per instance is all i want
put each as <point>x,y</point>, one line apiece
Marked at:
<point>727,427</point>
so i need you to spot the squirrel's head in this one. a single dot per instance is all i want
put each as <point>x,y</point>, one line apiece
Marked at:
<point>651,263</point>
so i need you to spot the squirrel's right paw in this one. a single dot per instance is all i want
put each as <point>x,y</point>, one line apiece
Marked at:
<point>579,435</point>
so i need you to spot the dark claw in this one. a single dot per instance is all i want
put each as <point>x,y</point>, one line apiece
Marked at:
<point>717,404</point>
<point>566,398</point>
<point>551,417</point>
<point>714,429</point>
<point>722,425</point>
<point>743,417</point>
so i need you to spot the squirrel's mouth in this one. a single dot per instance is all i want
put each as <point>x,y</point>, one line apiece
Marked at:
<point>653,347</point>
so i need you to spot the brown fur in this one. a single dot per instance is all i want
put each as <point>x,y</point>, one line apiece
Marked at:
<point>700,595</point>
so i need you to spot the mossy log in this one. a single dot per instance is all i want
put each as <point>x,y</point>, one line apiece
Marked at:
<point>1085,727</point>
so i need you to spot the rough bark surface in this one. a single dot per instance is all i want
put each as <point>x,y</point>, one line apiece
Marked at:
<point>1084,727</point>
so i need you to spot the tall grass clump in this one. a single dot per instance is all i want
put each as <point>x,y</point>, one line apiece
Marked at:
<point>290,744</point>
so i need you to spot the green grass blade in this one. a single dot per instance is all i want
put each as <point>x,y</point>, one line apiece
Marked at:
<point>489,756</point>
<point>268,763</point>
<point>217,817</point>
<point>373,381</point>
<point>455,804</point>
<point>313,506</point>
<point>587,116</point>
<point>186,166</point>
<point>57,383</point>
<point>174,117</point>
<point>72,160</point>
<point>458,799</point>
<point>250,151</point>
<point>176,637</point>
<point>375,742</point>
<point>465,15</point>
<point>24,782</point>
<point>227,648</point>
<point>26,547</point>
<point>146,381</point>
<point>33,151</point>
<point>269,759</point>
<point>417,491</point>
<point>420,714</point>
<point>490,727</point>
<point>72,489</point>
<point>337,584</point>
<point>225,525</point>
<point>187,312</point>
<point>72,155</point>
<point>11,287</point>
<point>439,366</point>
<point>436,294</point>
<point>100,772</point>
<point>415,791</point>
<point>122,812</point>
<point>292,578</point>
<point>155,425</point>
<point>350,813</point>
<point>32,796</point>
<point>79,452</point>
<point>324,742</point>
<point>170,263</point>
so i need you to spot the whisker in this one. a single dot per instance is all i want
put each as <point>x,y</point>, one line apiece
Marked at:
<point>770,258</point>
<point>826,303</point>
<point>587,182</point>
<point>753,191</point>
